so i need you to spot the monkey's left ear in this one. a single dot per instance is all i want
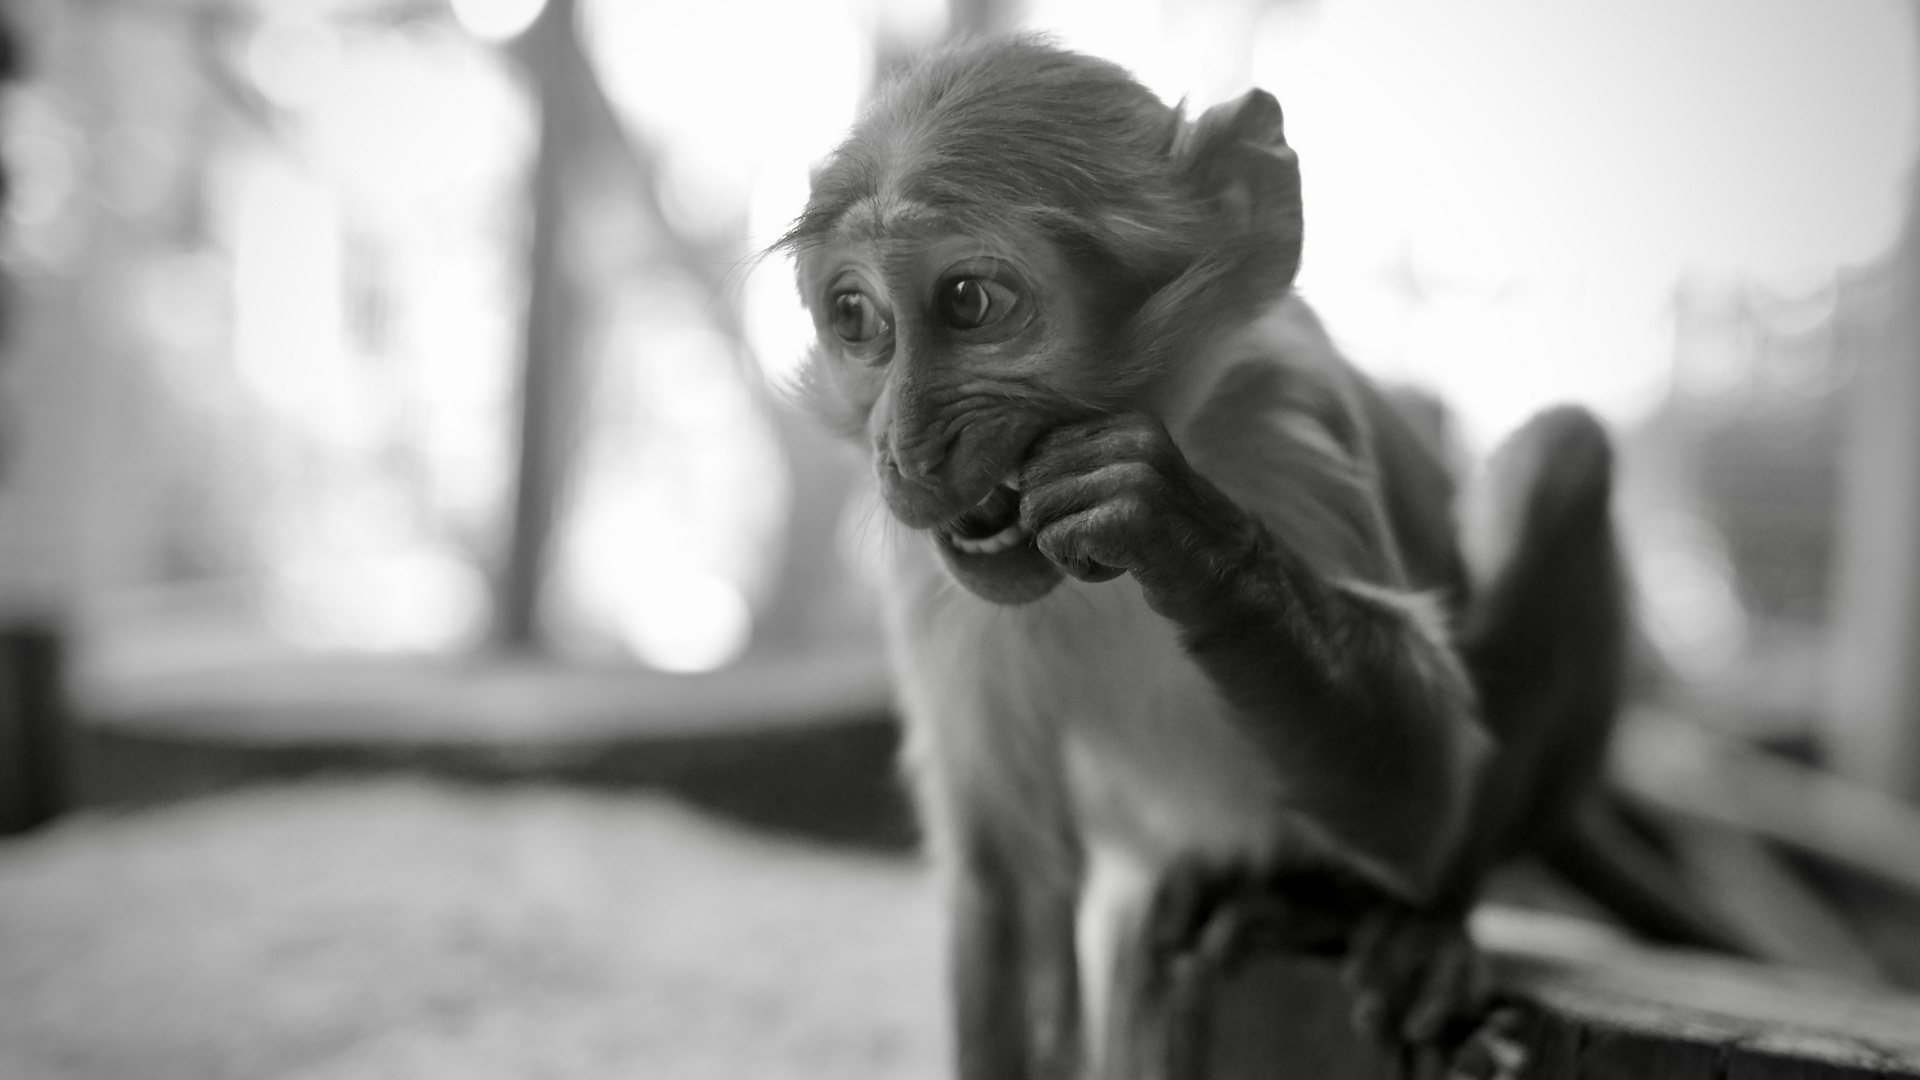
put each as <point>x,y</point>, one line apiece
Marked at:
<point>1237,155</point>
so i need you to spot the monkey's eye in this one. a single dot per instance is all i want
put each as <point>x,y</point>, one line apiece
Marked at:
<point>856,319</point>
<point>969,303</point>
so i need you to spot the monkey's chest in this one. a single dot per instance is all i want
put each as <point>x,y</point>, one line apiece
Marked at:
<point>1152,761</point>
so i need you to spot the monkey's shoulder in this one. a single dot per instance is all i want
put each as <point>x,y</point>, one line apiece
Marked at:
<point>1285,426</point>
<point>1280,379</point>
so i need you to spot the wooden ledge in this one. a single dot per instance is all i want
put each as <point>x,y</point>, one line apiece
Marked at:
<point>1590,1005</point>
<point>436,702</point>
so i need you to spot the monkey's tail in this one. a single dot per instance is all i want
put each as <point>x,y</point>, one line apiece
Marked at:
<point>1546,633</point>
<point>1605,859</point>
<point>1548,637</point>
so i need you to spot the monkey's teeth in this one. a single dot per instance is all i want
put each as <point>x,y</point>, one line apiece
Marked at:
<point>1011,483</point>
<point>1004,540</point>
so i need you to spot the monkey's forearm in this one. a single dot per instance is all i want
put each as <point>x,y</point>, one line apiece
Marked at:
<point>1363,709</point>
<point>1349,690</point>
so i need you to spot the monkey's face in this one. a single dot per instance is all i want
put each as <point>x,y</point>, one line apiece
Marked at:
<point>948,357</point>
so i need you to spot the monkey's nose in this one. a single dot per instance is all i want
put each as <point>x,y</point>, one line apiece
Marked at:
<point>916,461</point>
<point>917,506</point>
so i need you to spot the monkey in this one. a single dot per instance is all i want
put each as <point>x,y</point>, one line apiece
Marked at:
<point>1178,601</point>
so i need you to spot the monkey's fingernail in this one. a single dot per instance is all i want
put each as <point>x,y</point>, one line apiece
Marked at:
<point>1012,482</point>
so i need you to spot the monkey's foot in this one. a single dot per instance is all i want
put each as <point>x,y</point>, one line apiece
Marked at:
<point>1220,921</point>
<point>1414,976</point>
<point>1417,979</point>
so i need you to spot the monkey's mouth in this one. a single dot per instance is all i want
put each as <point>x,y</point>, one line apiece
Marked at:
<point>991,525</point>
<point>992,555</point>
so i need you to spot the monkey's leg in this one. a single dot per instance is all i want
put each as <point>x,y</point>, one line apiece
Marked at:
<point>1123,970</point>
<point>1012,966</point>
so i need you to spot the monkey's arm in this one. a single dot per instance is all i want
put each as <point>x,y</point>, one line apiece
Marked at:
<point>1350,690</point>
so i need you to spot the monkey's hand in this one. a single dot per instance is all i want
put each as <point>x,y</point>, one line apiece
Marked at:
<point>1114,495</point>
<point>1351,693</point>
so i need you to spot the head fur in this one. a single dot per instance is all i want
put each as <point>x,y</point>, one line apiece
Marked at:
<point>1185,225</point>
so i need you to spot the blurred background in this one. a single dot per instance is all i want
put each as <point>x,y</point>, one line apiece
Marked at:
<point>392,473</point>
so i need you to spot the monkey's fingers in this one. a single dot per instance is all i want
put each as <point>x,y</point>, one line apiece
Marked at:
<point>1126,485</point>
<point>1080,544</point>
<point>1078,448</point>
<point>1412,975</point>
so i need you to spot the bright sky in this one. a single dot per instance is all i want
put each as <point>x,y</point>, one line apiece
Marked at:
<point>1502,194</point>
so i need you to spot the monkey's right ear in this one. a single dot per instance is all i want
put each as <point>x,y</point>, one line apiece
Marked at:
<point>1237,155</point>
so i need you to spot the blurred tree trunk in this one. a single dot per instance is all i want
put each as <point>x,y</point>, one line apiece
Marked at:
<point>1875,673</point>
<point>551,359</point>
<point>34,773</point>
<point>811,601</point>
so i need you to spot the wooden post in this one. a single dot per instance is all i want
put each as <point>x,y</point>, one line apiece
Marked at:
<point>1282,1015</point>
<point>1574,1001</point>
<point>1875,671</point>
<point>34,778</point>
<point>33,723</point>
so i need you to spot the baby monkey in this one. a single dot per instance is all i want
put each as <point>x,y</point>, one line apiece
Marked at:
<point>1174,594</point>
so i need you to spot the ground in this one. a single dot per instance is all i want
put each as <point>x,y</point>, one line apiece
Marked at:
<point>417,929</point>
